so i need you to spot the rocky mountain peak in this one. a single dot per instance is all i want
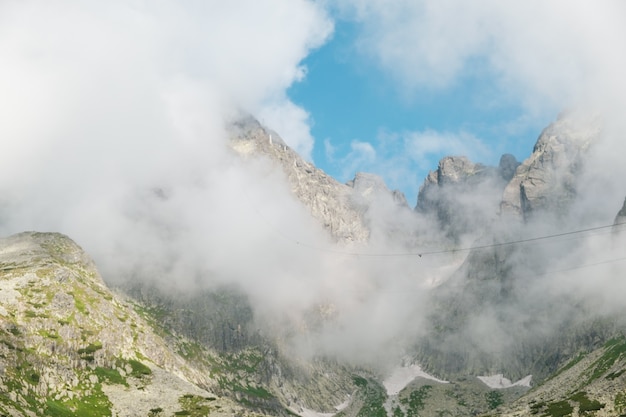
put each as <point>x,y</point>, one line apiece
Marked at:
<point>507,166</point>
<point>547,180</point>
<point>462,195</point>
<point>328,200</point>
<point>455,169</point>
<point>371,187</point>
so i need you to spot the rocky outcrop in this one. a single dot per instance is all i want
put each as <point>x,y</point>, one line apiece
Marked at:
<point>386,213</point>
<point>462,195</point>
<point>328,200</point>
<point>547,180</point>
<point>372,188</point>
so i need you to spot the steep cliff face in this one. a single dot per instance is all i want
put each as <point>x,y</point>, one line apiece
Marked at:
<point>463,196</point>
<point>547,180</point>
<point>328,200</point>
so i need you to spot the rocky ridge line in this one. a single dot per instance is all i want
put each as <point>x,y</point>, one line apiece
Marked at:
<point>328,200</point>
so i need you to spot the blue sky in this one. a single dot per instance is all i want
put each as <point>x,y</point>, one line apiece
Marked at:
<point>351,99</point>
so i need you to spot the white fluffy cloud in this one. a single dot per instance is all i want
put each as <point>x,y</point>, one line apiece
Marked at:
<point>545,53</point>
<point>420,147</point>
<point>109,83</point>
<point>113,133</point>
<point>545,57</point>
<point>404,158</point>
<point>103,102</point>
<point>291,122</point>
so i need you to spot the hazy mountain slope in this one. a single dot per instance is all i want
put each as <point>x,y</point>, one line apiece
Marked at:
<point>502,310</point>
<point>463,196</point>
<point>69,346</point>
<point>590,384</point>
<point>219,324</point>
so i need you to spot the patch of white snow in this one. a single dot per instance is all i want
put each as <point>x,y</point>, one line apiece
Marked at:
<point>499,381</point>
<point>343,404</point>
<point>403,375</point>
<point>305,412</point>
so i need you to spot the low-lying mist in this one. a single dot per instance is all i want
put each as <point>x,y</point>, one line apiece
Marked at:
<point>114,132</point>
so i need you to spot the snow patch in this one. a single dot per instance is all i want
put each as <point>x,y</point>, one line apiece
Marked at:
<point>403,375</point>
<point>499,381</point>
<point>343,404</point>
<point>305,412</point>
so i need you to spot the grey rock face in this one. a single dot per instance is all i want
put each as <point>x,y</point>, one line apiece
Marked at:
<point>372,187</point>
<point>328,200</point>
<point>219,319</point>
<point>546,181</point>
<point>507,167</point>
<point>386,213</point>
<point>462,195</point>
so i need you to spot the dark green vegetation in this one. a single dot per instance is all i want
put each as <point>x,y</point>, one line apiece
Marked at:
<point>370,398</point>
<point>87,353</point>
<point>562,408</point>
<point>466,396</point>
<point>139,369</point>
<point>559,409</point>
<point>415,402</point>
<point>110,376</point>
<point>615,349</point>
<point>93,405</point>
<point>494,399</point>
<point>194,406</point>
<point>585,404</point>
<point>620,402</point>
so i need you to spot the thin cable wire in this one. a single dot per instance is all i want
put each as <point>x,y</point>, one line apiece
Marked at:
<point>445,251</point>
<point>582,266</point>
<point>519,241</point>
<point>541,274</point>
<point>420,254</point>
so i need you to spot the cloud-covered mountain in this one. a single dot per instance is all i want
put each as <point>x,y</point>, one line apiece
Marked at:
<point>322,315</point>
